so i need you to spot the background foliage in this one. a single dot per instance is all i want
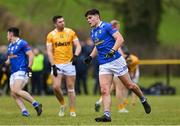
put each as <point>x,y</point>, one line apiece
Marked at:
<point>34,17</point>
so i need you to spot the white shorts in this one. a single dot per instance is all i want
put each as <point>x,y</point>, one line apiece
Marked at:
<point>117,67</point>
<point>20,75</point>
<point>66,69</point>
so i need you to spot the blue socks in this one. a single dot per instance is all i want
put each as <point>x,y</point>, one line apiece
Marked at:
<point>107,113</point>
<point>25,113</point>
<point>35,104</point>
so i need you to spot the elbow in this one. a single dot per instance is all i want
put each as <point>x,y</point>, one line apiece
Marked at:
<point>120,41</point>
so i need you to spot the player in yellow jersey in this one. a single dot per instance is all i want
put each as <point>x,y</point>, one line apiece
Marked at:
<point>120,90</point>
<point>60,43</point>
<point>133,65</point>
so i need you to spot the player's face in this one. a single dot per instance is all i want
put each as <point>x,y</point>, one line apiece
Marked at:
<point>9,36</point>
<point>60,23</point>
<point>93,20</point>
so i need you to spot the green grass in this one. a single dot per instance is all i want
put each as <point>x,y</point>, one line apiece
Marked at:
<point>165,111</point>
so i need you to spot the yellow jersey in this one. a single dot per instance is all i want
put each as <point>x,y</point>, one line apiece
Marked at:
<point>132,62</point>
<point>62,45</point>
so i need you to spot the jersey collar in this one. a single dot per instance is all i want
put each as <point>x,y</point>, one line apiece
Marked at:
<point>56,30</point>
<point>99,24</point>
<point>16,41</point>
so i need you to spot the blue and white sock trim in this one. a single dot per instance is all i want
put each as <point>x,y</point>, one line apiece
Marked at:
<point>107,113</point>
<point>35,104</point>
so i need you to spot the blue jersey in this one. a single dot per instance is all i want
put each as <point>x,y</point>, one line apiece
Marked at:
<point>17,55</point>
<point>104,41</point>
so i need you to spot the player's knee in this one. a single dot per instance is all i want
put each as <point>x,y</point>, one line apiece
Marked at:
<point>70,86</point>
<point>13,94</point>
<point>14,91</point>
<point>104,91</point>
<point>131,86</point>
<point>56,87</point>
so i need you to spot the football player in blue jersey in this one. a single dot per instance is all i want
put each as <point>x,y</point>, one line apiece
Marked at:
<point>20,57</point>
<point>107,41</point>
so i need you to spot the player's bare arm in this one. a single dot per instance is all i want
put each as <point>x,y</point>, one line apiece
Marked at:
<point>78,47</point>
<point>94,52</point>
<point>49,52</point>
<point>118,40</point>
<point>7,61</point>
<point>30,57</point>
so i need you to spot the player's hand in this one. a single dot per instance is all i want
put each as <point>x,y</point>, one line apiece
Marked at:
<point>54,70</point>
<point>110,53</point>
<point>74,60</point>
<point>29,72</point>
<point>88,60</point>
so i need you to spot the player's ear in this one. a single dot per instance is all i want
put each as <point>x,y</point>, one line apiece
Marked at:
<point>97,16</point>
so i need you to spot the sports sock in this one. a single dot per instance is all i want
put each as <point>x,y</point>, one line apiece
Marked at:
<point>125,102</point>
<point>99,101</point>
<point>143,99</point>
<point>35,104</point>
<point>121,106</point>
<point>107,113</point>
<point>24,109</point>
<point>72,109</point>
<point>25,112</point>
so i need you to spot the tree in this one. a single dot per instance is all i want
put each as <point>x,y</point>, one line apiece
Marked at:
<point>141,19</point>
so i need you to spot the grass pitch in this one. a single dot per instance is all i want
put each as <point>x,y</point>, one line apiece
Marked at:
<point>165,111</point>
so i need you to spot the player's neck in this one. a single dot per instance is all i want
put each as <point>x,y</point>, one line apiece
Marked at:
<point>60,29</point>
<point>98,23</point>
<point>14,39</point>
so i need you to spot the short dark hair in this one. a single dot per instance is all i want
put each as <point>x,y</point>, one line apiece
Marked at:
<point>14,30</point>
<point>92,12</point>
<point>56,17</point>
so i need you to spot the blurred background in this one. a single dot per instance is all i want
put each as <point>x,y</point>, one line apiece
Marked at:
<point>150,28</point>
